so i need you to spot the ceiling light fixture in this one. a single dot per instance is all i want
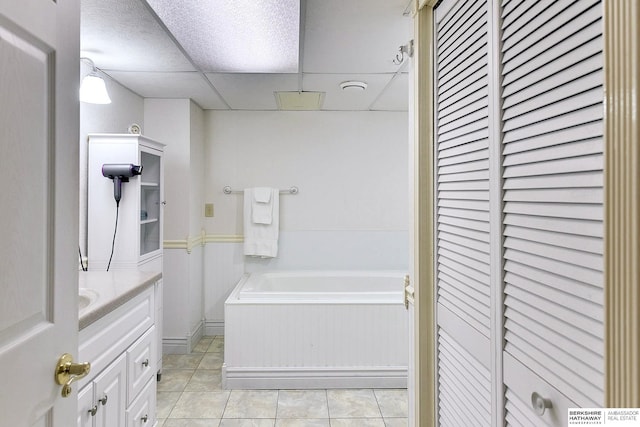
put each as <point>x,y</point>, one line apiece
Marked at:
<point>231,36</point>
<point>92,89</point>
<point>353,85</point>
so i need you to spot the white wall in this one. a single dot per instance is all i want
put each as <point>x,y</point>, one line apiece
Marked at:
<point>351,211</point>
<point>350,167</point>
<point>126,108</point>
<point>196,171</point>
<point>167,121</point>
<point>178,123</point>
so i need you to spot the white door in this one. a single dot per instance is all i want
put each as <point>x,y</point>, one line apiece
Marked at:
<point>39,115</point>
<point>463,212</point>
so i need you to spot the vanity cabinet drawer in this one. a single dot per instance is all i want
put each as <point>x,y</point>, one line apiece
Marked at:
<point>141,364</point>
<point>142,412</point>
<point>102,341</point>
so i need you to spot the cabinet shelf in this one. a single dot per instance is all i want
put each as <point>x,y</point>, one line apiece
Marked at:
<point>149,184</point>
<point>148,221</point>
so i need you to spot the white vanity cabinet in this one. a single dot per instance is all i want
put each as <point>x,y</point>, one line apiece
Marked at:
<point>103,402</point>
<point>120,390</point>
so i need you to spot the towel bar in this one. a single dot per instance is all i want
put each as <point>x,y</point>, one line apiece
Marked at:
<point>228,190</point>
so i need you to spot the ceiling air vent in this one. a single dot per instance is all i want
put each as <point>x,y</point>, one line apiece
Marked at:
<point>299,101</point>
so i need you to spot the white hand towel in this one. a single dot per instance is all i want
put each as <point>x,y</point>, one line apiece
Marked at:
<point>261,240</point>
<point>262,205</point>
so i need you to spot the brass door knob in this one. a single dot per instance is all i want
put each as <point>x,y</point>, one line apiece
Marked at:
<point>67,372</point>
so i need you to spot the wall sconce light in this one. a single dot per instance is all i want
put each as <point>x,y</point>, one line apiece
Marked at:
<point>92,88</point>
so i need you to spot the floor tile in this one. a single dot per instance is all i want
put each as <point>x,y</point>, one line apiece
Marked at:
<point>231,422</point>
<point>252,404</point>
<point>205,380</point>
<point>352,404</point>
<point>396,422</point>
<point>192,422</point>
<point>302,404</point>
<point>393,403</point>
<point>200,404</point>
<point>160,422</point>
<point>357,422</point>
<point>302,422</point>
<point>181,361</point>
<point>203,345</point>
<point>174,379</point>
<point>211,361</point>
<point>217,346</point>
<point>165,402</point>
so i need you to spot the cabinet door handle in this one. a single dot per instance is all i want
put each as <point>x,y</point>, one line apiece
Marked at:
<point>145,418</point>
<point>145,363</point>
<point>103,400</point>
<point>540,404</point>
<point>93,410</point>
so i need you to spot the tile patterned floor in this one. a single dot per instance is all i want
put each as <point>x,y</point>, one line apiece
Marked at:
<point>191,395</point>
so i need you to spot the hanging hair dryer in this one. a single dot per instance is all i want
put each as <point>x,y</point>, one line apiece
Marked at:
<point>119,173</point>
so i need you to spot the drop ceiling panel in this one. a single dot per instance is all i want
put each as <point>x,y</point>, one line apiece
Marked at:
<point>396,96</point>
<point>252,91</point>
<point>235,36</point>
<point>338,99</point>
<point>123,35</point>
<point>171,85</point>
<point>354,37</point>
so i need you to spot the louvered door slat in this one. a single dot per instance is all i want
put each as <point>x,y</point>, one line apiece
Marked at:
<point>588,276</point>
<point>554,314</point>
<point>530,109</point>
<point>461,91</point>
<point>571,22</point>
<point>577,117</point>
<point>591,178</point>
<point>570,241</point>
<point>586,131</point>
<point>589,293</point>
<point>552,109</point>
<point>474,215</point>
<point>577,257</point>
<point>552,61</point>
<point>554,216</point>
<point>558,296</point>
<point>479,238</point>
<point>463,385</point>
<point>584,147</point>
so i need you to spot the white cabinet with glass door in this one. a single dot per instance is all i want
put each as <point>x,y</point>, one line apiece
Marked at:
<point>137,241</point>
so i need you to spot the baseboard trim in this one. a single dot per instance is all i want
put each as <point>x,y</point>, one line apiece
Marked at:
<point>213,327</point>
<point>313,378</point>
<point>183,345</point>
<point>174,345</point>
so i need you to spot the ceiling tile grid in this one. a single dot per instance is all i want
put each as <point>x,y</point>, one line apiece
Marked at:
<point>340,40</point>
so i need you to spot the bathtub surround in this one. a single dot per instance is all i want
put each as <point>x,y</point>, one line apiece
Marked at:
<point>316,329</point>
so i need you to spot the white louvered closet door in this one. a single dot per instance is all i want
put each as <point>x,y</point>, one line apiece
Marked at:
<point>553,207</point>
<point>462,214</point>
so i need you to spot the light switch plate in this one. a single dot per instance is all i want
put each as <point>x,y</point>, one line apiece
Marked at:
<point>208,210</point>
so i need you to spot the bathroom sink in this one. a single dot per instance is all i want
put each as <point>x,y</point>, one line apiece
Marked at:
<point>86,298</point>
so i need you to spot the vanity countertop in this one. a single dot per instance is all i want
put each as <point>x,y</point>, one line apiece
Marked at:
<point>103,291</point>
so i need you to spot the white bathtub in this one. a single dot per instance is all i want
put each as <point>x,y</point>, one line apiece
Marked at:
<point>316,329</point>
